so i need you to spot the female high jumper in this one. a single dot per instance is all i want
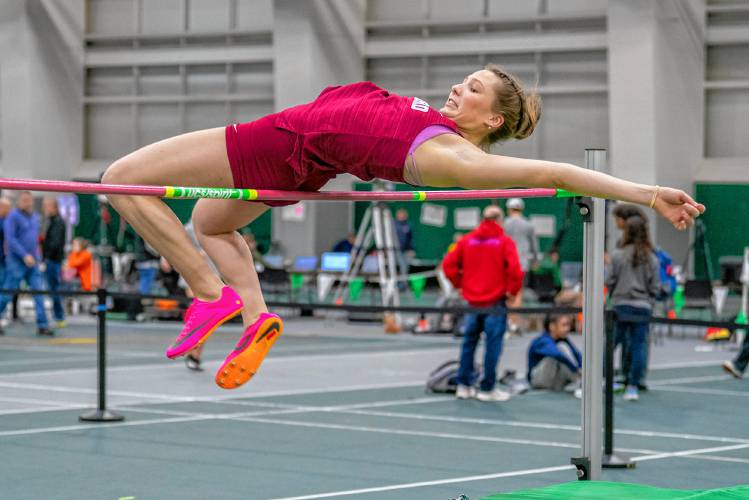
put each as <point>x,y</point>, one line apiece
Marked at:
<point>359,129</point>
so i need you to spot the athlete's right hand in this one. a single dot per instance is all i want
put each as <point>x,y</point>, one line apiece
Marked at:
<point>677,207</point>
<point>29,260</point>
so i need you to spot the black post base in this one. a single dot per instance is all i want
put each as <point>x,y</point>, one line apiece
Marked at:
<point>101,416</point>
<point>614,461</point>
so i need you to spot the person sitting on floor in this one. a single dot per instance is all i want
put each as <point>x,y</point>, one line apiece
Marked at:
<point>554,362</point>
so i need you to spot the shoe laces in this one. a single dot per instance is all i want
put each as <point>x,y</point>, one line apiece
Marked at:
<point>188,320</point>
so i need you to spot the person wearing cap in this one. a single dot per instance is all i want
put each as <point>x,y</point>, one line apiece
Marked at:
<point>522,232</point>
<point>520,229</point>
<point>484,265</point>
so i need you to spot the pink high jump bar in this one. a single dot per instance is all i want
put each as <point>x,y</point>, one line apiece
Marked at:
<point>272,194</point>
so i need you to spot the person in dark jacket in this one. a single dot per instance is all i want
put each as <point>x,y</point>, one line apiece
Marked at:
<point>53,253</point>
<point>5,206</point>
<point>21,229</point>
<point>405,235</point>
<point>484,264</point>
<point>554,362</point>
<point>634,283</point>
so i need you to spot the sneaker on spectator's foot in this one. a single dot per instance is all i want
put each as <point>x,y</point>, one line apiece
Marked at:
<point>193,363</point>
<point>631,393</point>
<point>578,393</point>
<point>45,332</point>
<point>61,323</point>
<point>202,318</point>
<point>730,368</point>
<point>465,392</point>
<point>494,395</point>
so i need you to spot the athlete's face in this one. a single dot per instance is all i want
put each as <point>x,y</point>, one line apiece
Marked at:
<point>470,102</point>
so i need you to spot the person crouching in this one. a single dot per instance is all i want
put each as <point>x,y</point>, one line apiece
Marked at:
<point>554,362</point>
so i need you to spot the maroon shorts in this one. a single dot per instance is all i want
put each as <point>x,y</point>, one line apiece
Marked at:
<point>261,156</point>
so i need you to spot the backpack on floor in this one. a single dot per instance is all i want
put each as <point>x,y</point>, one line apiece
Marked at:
<point>443,379</point>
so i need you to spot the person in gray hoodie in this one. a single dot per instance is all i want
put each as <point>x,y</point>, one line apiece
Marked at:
<point>633,284</point>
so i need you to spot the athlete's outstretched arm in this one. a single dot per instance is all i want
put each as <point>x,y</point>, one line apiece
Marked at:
<point>450,161</point>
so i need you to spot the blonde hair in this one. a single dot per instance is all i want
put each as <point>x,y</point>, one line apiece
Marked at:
<point>520,110</point>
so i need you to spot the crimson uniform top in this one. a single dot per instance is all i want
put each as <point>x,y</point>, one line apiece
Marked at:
<point>485,265</point>
<point>360,129</point>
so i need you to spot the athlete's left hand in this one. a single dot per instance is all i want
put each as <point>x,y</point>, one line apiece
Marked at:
<point>678,207</point>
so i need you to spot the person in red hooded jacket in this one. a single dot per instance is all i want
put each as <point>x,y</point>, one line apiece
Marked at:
<point>485,266</point>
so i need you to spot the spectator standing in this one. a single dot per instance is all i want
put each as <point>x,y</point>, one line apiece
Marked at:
<point>554,362</point>
<point>737,367</point>
<point>147,261</point>
<point>405,242</point>
<point>521,231</point>
<point>80,263</point>
<point>484,264</point>
<point>5,206</point>
<point>53,252</point>
<point>633,284</point>
<point>21,228</point>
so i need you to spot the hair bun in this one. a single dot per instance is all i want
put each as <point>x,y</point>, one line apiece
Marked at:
<point>530,113</point>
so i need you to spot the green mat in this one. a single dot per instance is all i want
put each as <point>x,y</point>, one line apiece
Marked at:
<point>590,490</point>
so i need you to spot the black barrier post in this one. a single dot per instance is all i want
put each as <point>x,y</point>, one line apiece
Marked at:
<point>101,414</point>
<point>609,459</point>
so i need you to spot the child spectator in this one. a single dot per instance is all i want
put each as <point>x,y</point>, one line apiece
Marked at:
<point>554,362</point>
<point>80,264</point>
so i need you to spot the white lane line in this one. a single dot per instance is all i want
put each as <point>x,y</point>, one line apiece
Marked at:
<point>80,427</point>
<point>383,430</point>
<point>686,380</point>
<point>164,398</point>
<point>48,361</point>
<point>51,409</point>
<point>699,390</point>
<point>210,399</point>
<point>270,360</point>
<point>421,484</point>
<point>686,364</point>
<point>690,453</point>
<point>719,458</point>
<point>533,425</point>
<point>47,402</point>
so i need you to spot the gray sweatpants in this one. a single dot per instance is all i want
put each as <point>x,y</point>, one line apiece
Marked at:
<point>551,374</point>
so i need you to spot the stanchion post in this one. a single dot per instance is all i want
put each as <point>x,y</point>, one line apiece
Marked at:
<point>101,414</point>
<point>593,212</point>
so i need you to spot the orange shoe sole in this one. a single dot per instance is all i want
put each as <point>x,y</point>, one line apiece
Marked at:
<point>237,371</point>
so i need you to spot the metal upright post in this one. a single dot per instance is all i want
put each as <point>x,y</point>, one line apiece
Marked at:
<point>593,212</point>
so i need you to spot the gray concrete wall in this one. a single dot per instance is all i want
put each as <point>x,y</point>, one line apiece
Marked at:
<point>656,69</point>
<point>39,97</point>
<point>316,44</point>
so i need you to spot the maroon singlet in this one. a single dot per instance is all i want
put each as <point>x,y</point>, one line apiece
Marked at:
<point>359,129</point>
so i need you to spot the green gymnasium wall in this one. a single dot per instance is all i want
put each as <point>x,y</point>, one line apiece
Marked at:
<point>89,226</point>
<point>726,222</point>
<point>431,242</point>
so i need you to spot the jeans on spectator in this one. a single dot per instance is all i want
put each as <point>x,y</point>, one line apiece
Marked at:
<point>494,326</point>
<point>53,276</point>
<point>743,357</point>
<point>15,272</point>
<point>632,327</point>
<point>146,277</point>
